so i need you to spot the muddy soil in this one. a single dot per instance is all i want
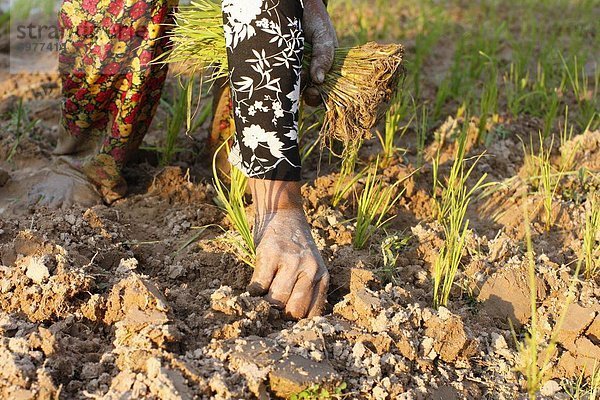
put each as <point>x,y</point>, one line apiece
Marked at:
<point>135,300</point>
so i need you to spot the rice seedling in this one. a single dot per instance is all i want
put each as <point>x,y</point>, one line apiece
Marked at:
<point>435,162</point>
<point>584,91</point>
<point>455,85</point>
<point>430,30</point>
<point>390,251</point>
<point>567,151</point>
<point>486,42</point>
<point>316,392</point>
<point>549,184</point>
<point>355,91</point>
<point>21,124</point>
<point>573,75</point>
<point>575,388</point>
<point>200,26</point>
<point>4,22</point>
<point>361,34</point>
<point>435,170</point>
<point>422,129</point>
<point>441,97</point>
<point>362,80</point>
<point>199,113</point>
<point>393,117</point>
<point>23,9</point>
<point>447,263</point>
<point>582,389</point>
<point>550,115</point>
<point>307,124</point>
<point>346,179</point>
<point>451,211</point>
<point>459,86</point>
<point>594,387</point>
<point>177,111</point>
<point>543,177</point>
<point>199,232</point>
<point>516,84</point>
<point>535,353</point>
<point>231,201</point>
<point>548,179</point>
<point>488,104</point>
<point>529,348</point>
<point>591,239</point>
<point>373,205</point>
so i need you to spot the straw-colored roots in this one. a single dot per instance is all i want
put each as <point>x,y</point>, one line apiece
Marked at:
<point>358,88</point>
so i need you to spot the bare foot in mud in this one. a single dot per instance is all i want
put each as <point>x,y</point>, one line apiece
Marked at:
<point>56,186</point>
<point>289,268</point>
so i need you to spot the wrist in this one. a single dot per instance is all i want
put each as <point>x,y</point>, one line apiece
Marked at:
<point>272,196</point>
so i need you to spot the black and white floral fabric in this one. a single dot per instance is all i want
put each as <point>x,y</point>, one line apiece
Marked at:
<point>265,44</point>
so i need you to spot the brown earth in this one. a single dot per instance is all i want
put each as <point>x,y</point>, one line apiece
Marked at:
<point>136,301</point>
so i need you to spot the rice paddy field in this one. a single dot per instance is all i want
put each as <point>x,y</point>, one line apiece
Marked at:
<point>463,241</point>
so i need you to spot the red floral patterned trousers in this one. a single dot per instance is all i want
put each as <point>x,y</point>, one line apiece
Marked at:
<point>110,88</point>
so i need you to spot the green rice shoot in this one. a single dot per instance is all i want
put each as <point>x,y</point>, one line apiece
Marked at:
<point>231,201</point>
<point>374,203</point>
<point>451,211</point>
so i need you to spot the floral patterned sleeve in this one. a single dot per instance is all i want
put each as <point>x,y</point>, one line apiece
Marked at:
<point>265,45</point>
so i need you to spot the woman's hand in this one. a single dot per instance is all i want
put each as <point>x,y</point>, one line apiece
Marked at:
<point>289,268</point>
<point>320,33</point>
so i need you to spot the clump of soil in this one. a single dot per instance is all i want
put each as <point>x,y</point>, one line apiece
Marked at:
<point>40,281</point>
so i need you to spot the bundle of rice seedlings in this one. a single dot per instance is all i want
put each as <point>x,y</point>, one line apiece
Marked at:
<point>355,92</point>
<point>198,39</point>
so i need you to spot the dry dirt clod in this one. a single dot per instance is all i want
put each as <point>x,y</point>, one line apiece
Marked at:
<point>505,295</point>
<point>36,269</point>
<point>577,320</point>
<point>550,388</point>
<point>41,280</point>
<point>166,383</point>
<point>593,332</point>
<point>583,348</point>
<point>127,265</point>
<point>140,313</point>
<point>262,360</point>
<point>498,342</point>
<point>294,374</point>
<point>18,370</point>
<point>360,306</point>
<point>449,337</point>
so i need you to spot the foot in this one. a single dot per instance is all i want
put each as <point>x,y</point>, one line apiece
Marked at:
<point>56,186</point>
<point>102,171</point>
<point>289,268</point>
<point>67,181</point>
<point>82,153</point>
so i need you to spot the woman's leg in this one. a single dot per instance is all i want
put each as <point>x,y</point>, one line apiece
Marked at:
<point>104,63</point>
<point>265,45</point>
